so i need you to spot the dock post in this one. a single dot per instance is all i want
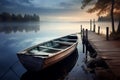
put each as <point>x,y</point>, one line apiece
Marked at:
<point>107,33</point>
<point>94,25</point>
<point>81,31</point>
<point>94,28</point>
<point>98,29</point>
<point>93,21</point>
<point>83,40</point>
<point>86,42</point>
<point>81,28</point>
<point>90,25</point>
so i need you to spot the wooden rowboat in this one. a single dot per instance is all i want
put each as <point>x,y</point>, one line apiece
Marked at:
<point>48,53</point>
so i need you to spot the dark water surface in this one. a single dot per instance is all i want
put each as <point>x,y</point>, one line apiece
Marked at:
<point>15,37</point>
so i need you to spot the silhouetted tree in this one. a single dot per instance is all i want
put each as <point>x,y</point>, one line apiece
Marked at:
<point>14,17</point>
<point>19,17</point>
<point>104,7</point>
<point>7,17</point>
<point>36,17</point>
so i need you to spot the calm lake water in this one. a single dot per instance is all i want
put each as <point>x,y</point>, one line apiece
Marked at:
<point>15,37</point>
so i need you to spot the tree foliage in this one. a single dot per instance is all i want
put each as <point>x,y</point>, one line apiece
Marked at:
<point>108,7</point>
<point>102,6</point>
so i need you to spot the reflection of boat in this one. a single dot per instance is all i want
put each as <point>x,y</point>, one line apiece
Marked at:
<point>48,53</point>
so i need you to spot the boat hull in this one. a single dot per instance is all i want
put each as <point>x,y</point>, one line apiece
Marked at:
<point>58,57</point>
<point>33,62</point>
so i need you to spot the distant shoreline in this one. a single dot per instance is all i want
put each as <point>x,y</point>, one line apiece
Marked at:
<point>7,17</point>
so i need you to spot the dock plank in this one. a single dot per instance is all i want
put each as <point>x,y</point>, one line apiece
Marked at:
<point>108,50</point>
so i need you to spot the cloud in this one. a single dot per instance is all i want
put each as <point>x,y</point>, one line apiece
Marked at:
<point>8,3</point>
<point>47,9</point>
<point>66,5</point>
<point>71,4</point>
<point>36,6</point>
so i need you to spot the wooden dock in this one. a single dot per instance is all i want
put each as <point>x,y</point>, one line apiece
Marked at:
<point>109,51</point>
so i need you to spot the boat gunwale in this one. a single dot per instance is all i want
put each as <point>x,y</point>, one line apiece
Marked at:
<point>53,54</point>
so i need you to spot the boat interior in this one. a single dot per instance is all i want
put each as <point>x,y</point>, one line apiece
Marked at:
<point>54,46</point>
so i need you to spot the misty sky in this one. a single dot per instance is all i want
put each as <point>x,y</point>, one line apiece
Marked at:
<point>50,10</point>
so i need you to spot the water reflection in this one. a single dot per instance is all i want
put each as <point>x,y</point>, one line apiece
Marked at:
<point>55,72</point>
<point>19,27</point>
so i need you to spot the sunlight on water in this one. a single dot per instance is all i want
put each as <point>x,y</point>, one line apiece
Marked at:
<point>61,28</point>
<point>102,25</point>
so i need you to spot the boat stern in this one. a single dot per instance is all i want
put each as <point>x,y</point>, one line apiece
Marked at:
<point>31,63</point>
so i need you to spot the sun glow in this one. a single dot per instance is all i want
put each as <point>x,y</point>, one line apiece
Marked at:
<point>71,17</point>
